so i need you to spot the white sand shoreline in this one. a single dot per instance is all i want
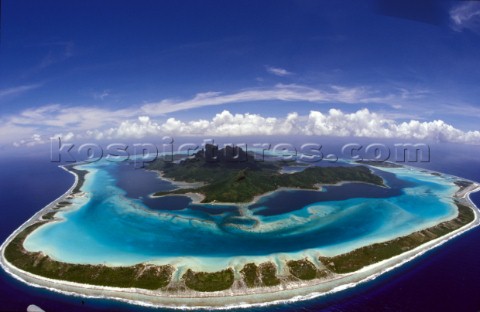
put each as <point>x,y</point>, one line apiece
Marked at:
<point>232,298</point>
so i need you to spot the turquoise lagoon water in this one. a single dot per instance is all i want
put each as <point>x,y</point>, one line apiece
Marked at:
<point>117,223</point>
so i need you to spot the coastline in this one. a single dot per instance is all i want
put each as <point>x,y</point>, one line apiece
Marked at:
<point>38,215</point>
<point>178,184</point>
<point>197,198</point>
<point>231,298</point>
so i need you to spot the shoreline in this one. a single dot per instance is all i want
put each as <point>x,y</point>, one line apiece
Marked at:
<point>230,298</point>
<point>197,197</point>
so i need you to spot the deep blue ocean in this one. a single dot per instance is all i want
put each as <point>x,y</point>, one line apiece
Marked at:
<point>445,279</point>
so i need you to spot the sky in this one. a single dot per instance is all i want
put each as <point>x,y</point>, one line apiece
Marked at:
<point>113,70</point>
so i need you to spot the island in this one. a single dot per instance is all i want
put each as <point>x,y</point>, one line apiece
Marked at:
<point>231,176</point>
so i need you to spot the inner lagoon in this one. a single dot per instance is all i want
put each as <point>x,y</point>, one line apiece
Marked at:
<point>118,223</point>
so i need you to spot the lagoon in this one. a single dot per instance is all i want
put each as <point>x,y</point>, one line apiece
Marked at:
<point>119,224</point>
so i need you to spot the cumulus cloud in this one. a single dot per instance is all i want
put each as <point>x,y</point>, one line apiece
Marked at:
<point>364,123</point>
<point>277,71</point>
<point>76,122</point>
<point>222,124</point>
<point>56,118</point>
<point>335,123</point>
<point>466,15</point>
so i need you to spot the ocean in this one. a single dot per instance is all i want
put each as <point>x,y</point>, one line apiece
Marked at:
<point>444,279</point>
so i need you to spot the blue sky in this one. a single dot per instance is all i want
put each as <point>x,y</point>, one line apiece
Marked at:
<point>114,69</point>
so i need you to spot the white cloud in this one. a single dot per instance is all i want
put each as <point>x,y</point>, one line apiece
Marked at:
<point>277,71</point>
<point>93,121</point>
<point>466,15</point>
<point>11,132</point>
<point>144,119</point>
<point>131,129</point>
<point>64,136</point>
<point>222,124</point>
<point>35,139</point>
<point>17,90</point>
<point>364,123</point>
<point>75,118</point>
<point>280,92</point>
<point>78,122</point>
<point>53,119</point>
<point>361,123</point>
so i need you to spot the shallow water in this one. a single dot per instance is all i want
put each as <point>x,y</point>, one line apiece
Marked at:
<point>116,225</point>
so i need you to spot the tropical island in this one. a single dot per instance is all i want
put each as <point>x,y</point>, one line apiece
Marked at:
<point>231,176</point>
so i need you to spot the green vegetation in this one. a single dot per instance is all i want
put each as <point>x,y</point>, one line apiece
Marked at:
<point>463,183</point>
<point>263,275</point>
<point>139,276</point>
<point>203,281</point>
<point>49,215</point>
<point>155,277</point>
<point>359,258</point>
<point>62,204</point>
<point>235,181</point>
<point>302,269</point>
<point>81,178</point>
<point>268,274</point>
<point>251,275</point>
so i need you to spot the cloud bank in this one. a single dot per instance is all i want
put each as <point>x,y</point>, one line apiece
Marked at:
<point>334,123</point>
<point>36,125</point>
<point>55,116</point>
